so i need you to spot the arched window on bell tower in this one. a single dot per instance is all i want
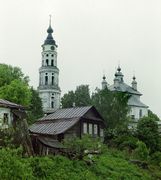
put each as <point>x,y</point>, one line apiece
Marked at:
<point>46,79</point>
<point>52,79</point>
<point>52,100</point>
<point>52,62</point>
<point>47,62</point>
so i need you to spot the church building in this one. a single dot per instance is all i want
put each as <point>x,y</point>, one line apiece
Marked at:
<point>49,90</point>
<point>137,108</point>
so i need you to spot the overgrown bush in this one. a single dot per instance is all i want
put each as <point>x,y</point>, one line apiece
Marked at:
<point>105,166</point>
<point>13,166</point>
<point>141,152</point>
<point>79,148</point>
<point>126,142</point>
<point>156,158</point>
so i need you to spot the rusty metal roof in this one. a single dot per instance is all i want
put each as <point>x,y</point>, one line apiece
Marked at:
<point>53,127</point>
<point>5,103</point>
<point>67,113</point>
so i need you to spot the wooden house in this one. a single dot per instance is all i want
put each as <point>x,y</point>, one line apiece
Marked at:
<point>9,113</point>
<point>13,117</point>
<point>48,132</point>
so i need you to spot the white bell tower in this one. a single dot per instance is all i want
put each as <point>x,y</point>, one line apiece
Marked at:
<point>48,88</point>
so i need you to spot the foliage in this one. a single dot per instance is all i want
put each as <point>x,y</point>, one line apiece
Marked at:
<point>112,106</point>
<point>17,91</point>
<point>141,152</point>
<point>14,85</point>
<point>79,148</point>
<point>12,166</point>
<point>125,142</point>
<point>9,73</point>
<point>35,110</point>
<point>156,158</point>
<point>105,166</point>
<point>152,115</point>
<point>68,99</point>
<point>7,137</point>
<point>147,131</point>
<point>81,97</point>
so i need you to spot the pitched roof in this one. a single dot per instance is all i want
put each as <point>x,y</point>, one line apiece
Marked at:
<point>133,101</point>
<point>123,87</point>
<point>60,121</point>
<point>5,103</point>
<point>53,127</point>
<point>67,113</point>
<point>51,142</point>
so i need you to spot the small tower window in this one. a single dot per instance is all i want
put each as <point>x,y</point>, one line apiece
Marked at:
<point>52,62</point>
<point>52,55</point>
<point>52,104</point>
<point>47,55</point>
<point>46,79</point>
<point>52,79</point>
<point>47,62</point>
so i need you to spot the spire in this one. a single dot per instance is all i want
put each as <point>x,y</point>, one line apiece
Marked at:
<point>134,83</point>
<point>104,82</point>
<point>119,74</point>
<point>116,80</point>
<point>49,40</point>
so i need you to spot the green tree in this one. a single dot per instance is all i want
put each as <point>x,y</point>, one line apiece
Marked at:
<point>147,131</point>
<point>152,115</point>
<point>141,152</point>
<point>68,99</point>
<point>113,107</point>
<point>17,91</point>
<point>9,73</point>
<point>14,85</point>
<point>35,108</point>
<point>81,97</point>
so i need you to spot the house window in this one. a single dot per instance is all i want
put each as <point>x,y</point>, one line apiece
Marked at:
<point>132,116</point>
<point>140,113</point>
<point>101,132</point>
<point>5,117</point>
<point>85,128</point>
<point>90,129</point>
<point>95,129</point>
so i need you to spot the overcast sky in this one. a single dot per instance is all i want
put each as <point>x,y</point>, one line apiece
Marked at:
<point>93,36</point>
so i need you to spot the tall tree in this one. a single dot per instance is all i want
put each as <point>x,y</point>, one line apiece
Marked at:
<point>9,73</point>
<point>35,110</point>
<point>113,107</point>
<point>147,131</point>
<point>14,87</point>
<point>68,99</point>
<point>17,91</point>
<point>80,97</point>
<point>152,115</point>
